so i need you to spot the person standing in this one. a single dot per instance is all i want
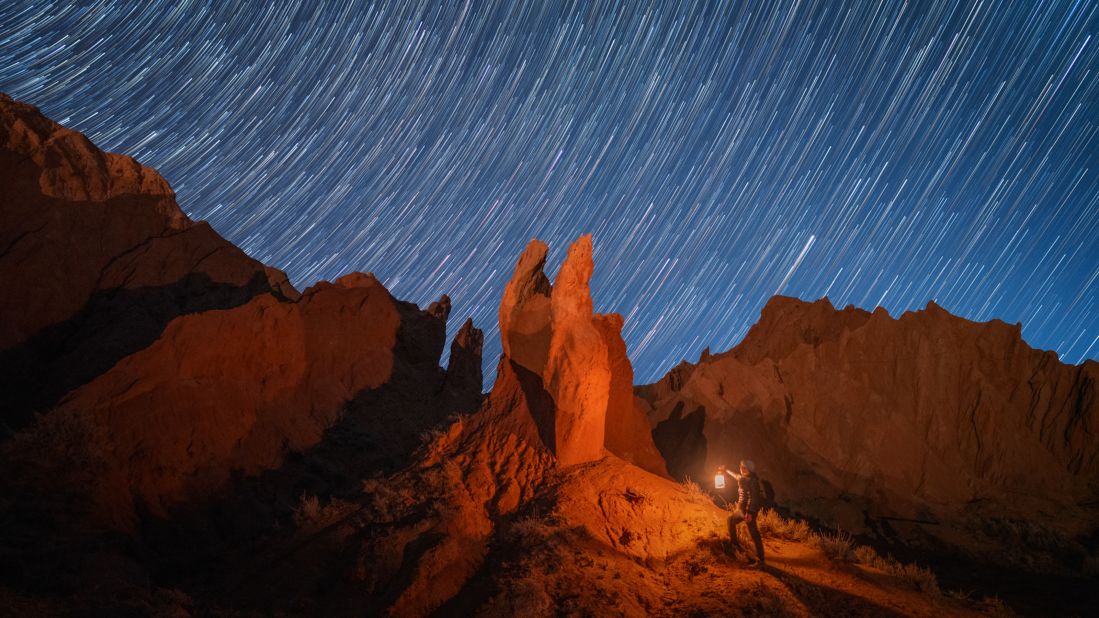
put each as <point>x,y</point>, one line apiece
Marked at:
<point>749,501</point>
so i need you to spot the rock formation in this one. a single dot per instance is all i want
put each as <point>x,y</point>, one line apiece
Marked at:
<point>918,426</point>
<point>211,442</point>
<point>236,389</point>
<point>96,258</point>
<point>577,356</point>
<point>164,363</point>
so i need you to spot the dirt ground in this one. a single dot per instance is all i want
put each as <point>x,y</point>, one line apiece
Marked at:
<point>571,576</point>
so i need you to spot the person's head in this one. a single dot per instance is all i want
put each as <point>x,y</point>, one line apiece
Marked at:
<point>747,466</point>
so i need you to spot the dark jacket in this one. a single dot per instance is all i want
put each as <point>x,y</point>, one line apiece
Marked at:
<point>749,495</point>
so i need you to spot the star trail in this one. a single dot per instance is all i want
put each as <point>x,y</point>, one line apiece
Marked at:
<point>879,153</point>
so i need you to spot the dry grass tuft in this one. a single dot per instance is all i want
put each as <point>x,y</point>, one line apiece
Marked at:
<point>773,524</point>
<point>837,545</point>
<point>308,512</point>
<point>914,575</point>
<point>993,606</point>
<point>429,437</point>
<point>694,490</point>
<point>529,531</point>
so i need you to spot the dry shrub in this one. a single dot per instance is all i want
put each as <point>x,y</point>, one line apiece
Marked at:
<point>388,502</point>
<point>959,595</point>
<point>694,490</point>
<point>53,466</point>
<point>867,555</point>
<point>773,524</point>
<point>431,436</point>
<point>837,545</point>
<point>312,515</point>
<point>438,441</point>
<point>923,579</point>
<point>914,575</point>
<point>993,606</point>
<point>529,531</point>
<point>308,512</point>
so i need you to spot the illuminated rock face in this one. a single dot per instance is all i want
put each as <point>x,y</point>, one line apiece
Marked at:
<point>174,361</point>
<point>856,416</point>
<point>579,358</point>
<point>96,259</point>
<point>232,390</point>
<point>237,390</point>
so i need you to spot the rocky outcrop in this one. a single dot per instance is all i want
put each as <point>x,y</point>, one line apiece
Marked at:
<point>914,424</point>
<point>578,357</point>
<point>562,398</point>
<point>463,370</point>
<point>168,360</point>
<point>97,258</point>
<point>254,451</point>
<point>627,433</point>
<point>237,390</point>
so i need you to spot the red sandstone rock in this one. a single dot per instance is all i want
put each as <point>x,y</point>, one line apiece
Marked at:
<point>577,373</point>
<point>343,369</point>
<point>233,390</point>
<point>578,357</point>
<point>463,370</point>
<point>96,258</point>
<point>237,390</point>
<point>857,416</point>
<point>627,433</point>
<point>525,320</point>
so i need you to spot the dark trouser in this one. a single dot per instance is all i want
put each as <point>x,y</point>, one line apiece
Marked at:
<point>753,531</point>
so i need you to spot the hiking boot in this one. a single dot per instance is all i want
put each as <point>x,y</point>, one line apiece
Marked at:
<point>730,549</point>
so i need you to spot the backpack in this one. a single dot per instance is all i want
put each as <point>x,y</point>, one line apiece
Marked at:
<point>768,493</point>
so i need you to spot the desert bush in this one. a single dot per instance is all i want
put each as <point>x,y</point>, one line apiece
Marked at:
<point>308,511</point>
<point>865,554</point>
<point>993,606</point>
<point>694,490</point>
<point>430,436</point>
<point>773,524</point>
<point>836,545</point>
<point>437,441</point>
<point>387,501</point>
<point>313,514</point>
<point>913,575</point>
<point>529,531</point>
<point>923,579</point>
<point>959,595</point>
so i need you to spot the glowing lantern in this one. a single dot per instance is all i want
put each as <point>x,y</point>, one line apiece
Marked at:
<point>719,481</point>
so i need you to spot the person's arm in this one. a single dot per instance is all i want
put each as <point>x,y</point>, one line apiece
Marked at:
<point>733,475</point>
<point>755,497</point>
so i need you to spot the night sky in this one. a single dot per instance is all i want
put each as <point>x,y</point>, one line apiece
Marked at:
<point>879,154</point>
